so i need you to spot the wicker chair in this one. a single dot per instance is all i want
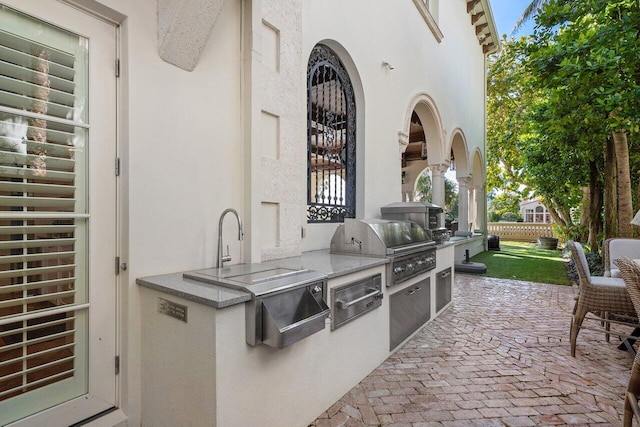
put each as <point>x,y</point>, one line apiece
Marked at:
<point>630,272</point>
<point>605,297</point>
<point>615,248</point>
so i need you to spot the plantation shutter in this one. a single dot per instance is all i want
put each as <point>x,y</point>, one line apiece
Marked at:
<point>43,209</point>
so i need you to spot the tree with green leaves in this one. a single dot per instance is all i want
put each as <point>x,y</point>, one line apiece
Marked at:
<point>530,11</point>
<point>509,101</point>
<point>563,113</point>
<point>586,56</point>
<point>423,186</point>
<point>451,198</point>
<point>503,203</point>
<point>531,151</point>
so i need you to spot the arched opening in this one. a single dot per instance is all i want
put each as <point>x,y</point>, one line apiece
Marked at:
<point>459,161</point>
<point>423,187</point>
<point>458,155</point>
<point>421,147</point>
<point>331,138</point>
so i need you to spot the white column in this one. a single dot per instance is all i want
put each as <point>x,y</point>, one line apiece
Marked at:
<point>438,189</point>
<point>463,203</point>
<point>481,208</point>
<point>408,196</point>
<point>437,184</point>
<point>472,208</point>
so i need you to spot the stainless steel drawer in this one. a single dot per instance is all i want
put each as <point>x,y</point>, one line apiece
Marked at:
<point>409,310</point>
<point>443,288</point>
<point>354,299</point>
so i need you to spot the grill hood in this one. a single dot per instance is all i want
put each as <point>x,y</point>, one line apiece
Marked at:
<point>379,237</point>
<point>410,207</point>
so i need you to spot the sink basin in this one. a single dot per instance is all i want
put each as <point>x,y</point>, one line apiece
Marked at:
<point>257,279</point>
<point>231,271</point>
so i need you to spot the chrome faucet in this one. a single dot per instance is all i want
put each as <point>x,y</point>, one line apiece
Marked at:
<point>224,258</point>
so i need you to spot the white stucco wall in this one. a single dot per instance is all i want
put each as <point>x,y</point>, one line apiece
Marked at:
<point>182,150</point>
<point>184,141</point>
<point>185,153</point>
<point>450,72</point>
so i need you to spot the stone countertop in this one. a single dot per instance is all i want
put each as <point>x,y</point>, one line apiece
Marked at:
<point>462,239</point>
<point>194,290</point>
<point>332,265</point>
<point>444,244</point>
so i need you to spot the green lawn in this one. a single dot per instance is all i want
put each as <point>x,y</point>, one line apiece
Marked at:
<point>524,261</point>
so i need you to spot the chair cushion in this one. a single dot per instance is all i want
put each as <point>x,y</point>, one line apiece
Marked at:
<point>611,282</point>
<point>583,259</point>
<point>622,247</point>
<point>615,272</point>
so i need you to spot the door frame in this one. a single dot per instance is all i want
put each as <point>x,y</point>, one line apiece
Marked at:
<point>95,401</point>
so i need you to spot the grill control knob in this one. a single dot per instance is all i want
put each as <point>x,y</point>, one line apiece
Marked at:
<point>398,270</point>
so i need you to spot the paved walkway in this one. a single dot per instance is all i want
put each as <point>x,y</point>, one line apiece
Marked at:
<point>499,356</point>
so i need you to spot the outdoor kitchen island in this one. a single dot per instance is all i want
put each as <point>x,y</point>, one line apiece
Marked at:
<point>199,366</point>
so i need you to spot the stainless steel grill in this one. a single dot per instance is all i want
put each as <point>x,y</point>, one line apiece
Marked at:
<point>426,215</point>
<point>405,243</point>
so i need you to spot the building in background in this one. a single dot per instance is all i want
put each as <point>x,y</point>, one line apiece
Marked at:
<point>534,211</point>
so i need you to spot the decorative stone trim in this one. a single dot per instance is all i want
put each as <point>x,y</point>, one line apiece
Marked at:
<point>183,29</point>
<point>428,18</point>
<point>465,182</point>
<point>485,29</point>
<point>439,169</point>
<point>403,142</point>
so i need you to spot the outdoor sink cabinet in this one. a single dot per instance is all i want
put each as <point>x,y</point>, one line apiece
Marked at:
<point>198,369</point>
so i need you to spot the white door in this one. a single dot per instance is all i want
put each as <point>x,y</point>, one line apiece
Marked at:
<point>57,214</point>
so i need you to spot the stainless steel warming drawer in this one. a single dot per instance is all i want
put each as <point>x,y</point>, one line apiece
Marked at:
<point>354,299</point>
<point>410,308</point>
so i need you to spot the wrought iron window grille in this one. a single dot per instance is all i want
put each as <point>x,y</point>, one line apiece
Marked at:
<point>331,138</point>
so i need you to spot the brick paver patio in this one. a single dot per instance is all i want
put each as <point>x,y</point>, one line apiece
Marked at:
<point>498,356</point>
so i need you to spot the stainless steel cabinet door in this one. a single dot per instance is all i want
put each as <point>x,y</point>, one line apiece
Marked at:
<point>409,310</point>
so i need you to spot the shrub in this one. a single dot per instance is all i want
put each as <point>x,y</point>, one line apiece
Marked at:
<point>510,216</point>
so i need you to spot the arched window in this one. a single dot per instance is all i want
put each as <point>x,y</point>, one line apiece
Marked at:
<point>331,139</point>
<point>539,214</point>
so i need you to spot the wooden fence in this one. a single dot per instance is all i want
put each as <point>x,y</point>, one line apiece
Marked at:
<point>520,231</point>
